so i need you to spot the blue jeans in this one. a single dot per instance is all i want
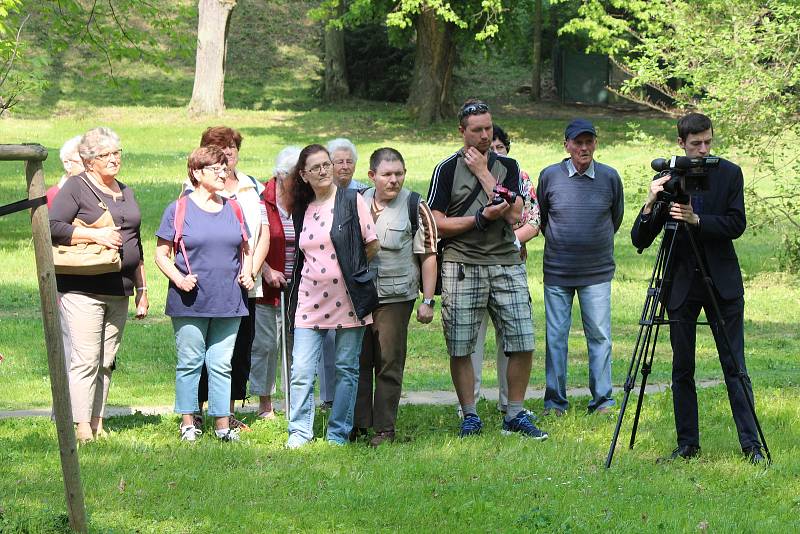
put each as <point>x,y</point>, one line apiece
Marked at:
<point>209,340</point>
<point>595,303</point>
<point>306,354</point>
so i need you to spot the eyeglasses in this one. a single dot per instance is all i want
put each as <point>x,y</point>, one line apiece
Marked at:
<point>340,162</point>
<point>108,155</point>
<point>319,167</point>
<point>473,109</point>
<point>216,169</point>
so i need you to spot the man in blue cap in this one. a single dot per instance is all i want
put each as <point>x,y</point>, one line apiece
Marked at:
<point>582,205</point>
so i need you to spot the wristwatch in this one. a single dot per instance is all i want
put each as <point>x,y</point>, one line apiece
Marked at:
<point>429,302</point>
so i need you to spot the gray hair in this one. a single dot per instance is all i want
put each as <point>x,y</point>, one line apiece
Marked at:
<point>340,143</point>
<point>69,148</point>
<point>98,139</point>
<point>286,160</point>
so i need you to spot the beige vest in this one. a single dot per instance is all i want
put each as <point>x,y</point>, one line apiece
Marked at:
<point>395,263</point>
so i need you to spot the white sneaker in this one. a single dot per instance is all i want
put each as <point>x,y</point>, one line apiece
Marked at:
<point>228,434</point>
<point>190,433</point>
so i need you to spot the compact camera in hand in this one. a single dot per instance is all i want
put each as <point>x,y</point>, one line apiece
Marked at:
<point>503,193</point>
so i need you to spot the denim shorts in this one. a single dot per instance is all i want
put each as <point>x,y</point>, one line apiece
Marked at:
<point>469,290</point>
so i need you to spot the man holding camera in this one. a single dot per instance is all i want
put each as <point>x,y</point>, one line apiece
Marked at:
<point>581,203</point>
<point>474,197</point>
<point>716,217</point>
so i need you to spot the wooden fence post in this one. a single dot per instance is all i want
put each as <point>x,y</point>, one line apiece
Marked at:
<point>40,225</point>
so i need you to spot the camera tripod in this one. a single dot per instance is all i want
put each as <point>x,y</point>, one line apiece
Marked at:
<point>655,306</point>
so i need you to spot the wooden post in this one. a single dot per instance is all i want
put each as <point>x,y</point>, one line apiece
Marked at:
<point>40,225</point>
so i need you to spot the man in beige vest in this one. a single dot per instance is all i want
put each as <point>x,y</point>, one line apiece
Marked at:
<point>407,234</point>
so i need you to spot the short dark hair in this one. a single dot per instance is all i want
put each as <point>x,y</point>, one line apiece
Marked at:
<point>221,136</point>
<point>203,157</point>
<point>693,123</point>
<point>471,106</point>
<point>499,133</point>
<point>384,154</point>
<point>303,193</point>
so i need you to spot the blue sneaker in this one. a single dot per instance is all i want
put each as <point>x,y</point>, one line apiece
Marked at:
<point>470,426</point>
<point>522,424</point>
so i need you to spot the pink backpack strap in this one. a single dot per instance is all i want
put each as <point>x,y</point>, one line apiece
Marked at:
<point>180,215</point>
<point>237,210</point>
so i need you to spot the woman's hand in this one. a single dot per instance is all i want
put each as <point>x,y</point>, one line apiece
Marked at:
<point>107,236</point>
<point>142,304</point>
<point>275,279</point>
<point>246,281</point>
<point>187,283</point>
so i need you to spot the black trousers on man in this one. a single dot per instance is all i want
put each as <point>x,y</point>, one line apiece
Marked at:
<point>682,332</point>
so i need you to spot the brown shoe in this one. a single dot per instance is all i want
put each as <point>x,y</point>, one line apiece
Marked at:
<point>381,437</point>
<point>235,424</point>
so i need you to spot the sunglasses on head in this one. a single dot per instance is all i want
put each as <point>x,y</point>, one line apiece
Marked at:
<point>473,109</point>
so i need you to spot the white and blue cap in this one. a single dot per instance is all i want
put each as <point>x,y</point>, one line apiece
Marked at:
<point>578,127</point>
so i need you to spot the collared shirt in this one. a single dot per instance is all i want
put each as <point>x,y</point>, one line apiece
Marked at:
<point>574,172</point>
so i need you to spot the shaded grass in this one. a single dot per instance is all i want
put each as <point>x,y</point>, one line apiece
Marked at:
<point>142,479</point>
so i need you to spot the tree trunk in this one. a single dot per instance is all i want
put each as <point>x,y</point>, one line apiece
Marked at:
<point>536,70</point>
<point>431,98</point>
<point>212,42</point>
<point>336,87</point>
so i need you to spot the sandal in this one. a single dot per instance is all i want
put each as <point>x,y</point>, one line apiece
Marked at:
<point>235,424</point>
<point>267,414</point>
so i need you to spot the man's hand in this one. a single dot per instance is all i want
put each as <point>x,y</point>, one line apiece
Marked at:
<point>475,160</point>
<point>683,212</point>
<point>425,313</point>
<point>496,211</point>
<point>656,186</point>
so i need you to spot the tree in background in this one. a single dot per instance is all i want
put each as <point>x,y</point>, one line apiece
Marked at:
<point>437,25</point>
<point>16,75</point>
<point>737,61</point>
<point>213,23</point>
<point>336,86</point>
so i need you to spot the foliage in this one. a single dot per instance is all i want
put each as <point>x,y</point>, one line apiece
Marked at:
<point>19,73</point>
<point>736,60</point>
<point>376,69</point>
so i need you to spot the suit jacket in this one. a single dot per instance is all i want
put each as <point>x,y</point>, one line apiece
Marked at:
<point>722,219</point>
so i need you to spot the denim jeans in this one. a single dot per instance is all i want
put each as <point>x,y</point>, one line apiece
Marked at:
<point>306,354</point>
<point>595,303</point>
<point>209,340</point>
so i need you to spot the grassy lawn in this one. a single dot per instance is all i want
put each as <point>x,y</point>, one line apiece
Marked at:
<point>143,480</point>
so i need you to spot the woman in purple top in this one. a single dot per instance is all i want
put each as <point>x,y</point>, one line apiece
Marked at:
<point>207,294</point>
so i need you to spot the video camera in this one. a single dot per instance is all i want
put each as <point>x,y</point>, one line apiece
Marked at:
<point>688,175</point>
<point>503,193</point>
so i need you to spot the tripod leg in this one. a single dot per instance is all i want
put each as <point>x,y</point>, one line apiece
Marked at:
<point>646,367</point>
<point>744,379</point>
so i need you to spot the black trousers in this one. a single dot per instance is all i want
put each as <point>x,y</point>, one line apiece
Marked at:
<point>682,336</point>
<point>240,361</point>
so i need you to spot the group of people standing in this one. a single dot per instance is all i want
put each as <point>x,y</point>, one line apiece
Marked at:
<point>330,268</point>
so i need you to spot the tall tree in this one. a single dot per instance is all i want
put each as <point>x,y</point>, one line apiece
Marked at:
<point>431,93</point>
<point>336,86</point>
<point>437,25</point>
<point>213,23</point>
<point>735,60</point>
<point>536,60</point>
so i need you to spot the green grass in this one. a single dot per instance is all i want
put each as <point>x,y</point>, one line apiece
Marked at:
<point>141,479</point>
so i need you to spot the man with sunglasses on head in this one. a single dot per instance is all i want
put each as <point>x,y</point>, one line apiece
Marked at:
<point>482,269</point>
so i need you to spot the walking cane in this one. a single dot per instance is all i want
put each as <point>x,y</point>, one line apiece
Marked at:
<point>284,357</point>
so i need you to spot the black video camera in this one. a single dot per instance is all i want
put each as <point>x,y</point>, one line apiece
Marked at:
<point>688,175</point>
<point>503,193</point>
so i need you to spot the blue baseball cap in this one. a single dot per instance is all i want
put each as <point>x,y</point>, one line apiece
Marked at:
<point>578,127</point>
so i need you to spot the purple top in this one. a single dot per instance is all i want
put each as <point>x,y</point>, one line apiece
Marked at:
<point>213,243</point>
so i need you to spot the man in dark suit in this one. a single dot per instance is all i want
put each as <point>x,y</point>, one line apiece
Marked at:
<point>716,217</point>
